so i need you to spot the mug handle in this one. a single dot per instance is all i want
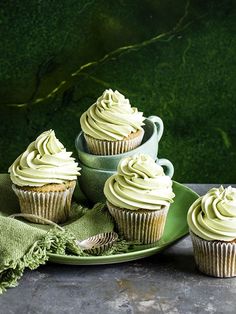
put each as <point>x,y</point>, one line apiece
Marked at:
<point>169,166</point>
<point>159,126</point>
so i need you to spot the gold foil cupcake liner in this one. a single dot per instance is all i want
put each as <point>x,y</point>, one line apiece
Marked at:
<point>214,258</point>
<point>99,147</point>
<point>143,226</point>
<point>53,205</point>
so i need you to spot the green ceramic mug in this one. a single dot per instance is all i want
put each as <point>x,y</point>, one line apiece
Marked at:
<point>96,169</point>
<point>153,130</point>
<point>92,180</point>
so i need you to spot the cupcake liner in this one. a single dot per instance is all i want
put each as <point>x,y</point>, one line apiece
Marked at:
<point>214,258</point>
<point>142,225</point>
<point>98,243</point>
<point>99,147</point>
<point>53,205</point>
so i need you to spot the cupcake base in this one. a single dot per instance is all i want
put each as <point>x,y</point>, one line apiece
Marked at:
<point>99,147</point>
<point>144,226</point>
<point>214,258</point>
<point>52,201</point>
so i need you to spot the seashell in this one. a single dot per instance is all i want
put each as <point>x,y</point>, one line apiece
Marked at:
<point>98,243</point>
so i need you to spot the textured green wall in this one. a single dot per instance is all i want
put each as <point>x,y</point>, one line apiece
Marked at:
<point>175,59</point>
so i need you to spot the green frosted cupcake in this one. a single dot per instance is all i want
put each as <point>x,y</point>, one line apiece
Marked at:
<point>212,224</point>
<point>44,178</point>
<point>139,197</point>
<point>111,126</point>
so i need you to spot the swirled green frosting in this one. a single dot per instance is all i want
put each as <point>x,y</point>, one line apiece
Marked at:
<point>213,216</point>
<point>111,118</point>
<point>44,161</point>
<point>139,183</point>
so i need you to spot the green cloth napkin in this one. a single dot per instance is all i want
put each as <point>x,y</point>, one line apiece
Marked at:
<point>24,245</point>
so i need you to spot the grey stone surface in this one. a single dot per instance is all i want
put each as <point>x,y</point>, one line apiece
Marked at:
<point>164,283</point>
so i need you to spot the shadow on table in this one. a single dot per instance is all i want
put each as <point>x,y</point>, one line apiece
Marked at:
<point>182,263</point>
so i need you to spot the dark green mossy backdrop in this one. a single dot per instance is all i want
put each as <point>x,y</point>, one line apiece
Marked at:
<point>175,59</point>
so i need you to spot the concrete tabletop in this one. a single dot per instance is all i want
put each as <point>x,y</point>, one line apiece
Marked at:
<point>167,282</point>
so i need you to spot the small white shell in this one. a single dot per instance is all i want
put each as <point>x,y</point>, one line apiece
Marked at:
<point>99,243</point>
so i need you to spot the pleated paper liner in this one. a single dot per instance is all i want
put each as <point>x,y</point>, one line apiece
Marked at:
<point>214,258</point>
<point>99,147</point>
<point>98,243</point>
<point>52,205</point>
<point>144,226</point>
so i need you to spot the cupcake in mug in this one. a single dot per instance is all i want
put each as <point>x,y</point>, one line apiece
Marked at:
<point>212,224</point>
<point>139,197</point>
<point>111,126</point>
<point>44,178</point>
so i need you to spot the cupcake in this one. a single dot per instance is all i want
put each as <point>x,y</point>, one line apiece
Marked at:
<point>111,126</point>
<point>138,197</point>
<point>212,224</point>
<point>44,178</point>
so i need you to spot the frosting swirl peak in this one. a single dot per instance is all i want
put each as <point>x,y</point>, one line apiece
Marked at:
<point>111,117</point>
<point>139,183</point>
<point>45,161</point>
<point>213,216</point>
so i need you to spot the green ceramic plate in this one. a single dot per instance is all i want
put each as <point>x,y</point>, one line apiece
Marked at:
<point>176,228</point>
